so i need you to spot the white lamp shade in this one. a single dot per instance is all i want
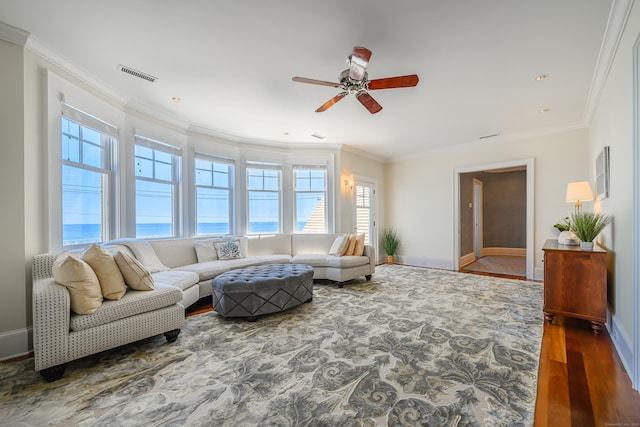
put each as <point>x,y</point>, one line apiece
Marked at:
<point>579,192</point>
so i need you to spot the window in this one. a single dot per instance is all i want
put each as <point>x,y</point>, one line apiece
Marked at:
<point>86,178</point>
<point>214,196</point>
<point>364,217</point>
<point>157,170</point>
<point>264,195</point>
<point>310,192</point>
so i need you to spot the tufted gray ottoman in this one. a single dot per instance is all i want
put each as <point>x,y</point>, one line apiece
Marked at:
<point>262,289</point>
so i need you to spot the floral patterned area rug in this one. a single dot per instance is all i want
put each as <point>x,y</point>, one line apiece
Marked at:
<point>413,346</point>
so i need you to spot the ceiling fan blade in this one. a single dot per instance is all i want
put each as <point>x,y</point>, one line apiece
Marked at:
<point>391,82</point>
<point>314,82</point>
<point>368,102</point>
<point>330,102</point>
<point>358,62</point>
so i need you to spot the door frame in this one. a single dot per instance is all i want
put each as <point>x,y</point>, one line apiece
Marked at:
<point>478,224</point>
<point>373,183</point>
<point>529,164</point>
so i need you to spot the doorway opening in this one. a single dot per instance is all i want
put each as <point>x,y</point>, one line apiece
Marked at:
<point>493,219</point>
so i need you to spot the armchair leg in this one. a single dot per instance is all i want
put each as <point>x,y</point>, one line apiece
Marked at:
<point>53,373</point>
<point>171,336</point>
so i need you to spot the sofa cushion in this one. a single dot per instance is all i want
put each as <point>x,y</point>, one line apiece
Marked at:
<point>314,260</point>
<point>144,253</point>
<point>339,245</point>
<point>359,249</point>
<point>178,278</point>
<point>132,303</point>
<point>81,281</point>
<point>206,250</point>
<point>206,270</point>
<point>228,250</point>
<point>346,261</point>
<point>351,246</point>
<point>109,276</point>
<point>136,276</point>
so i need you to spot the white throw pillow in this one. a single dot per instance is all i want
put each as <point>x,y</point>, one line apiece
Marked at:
<point>229,249</point>
<point>105,267</point>
<point>80,280</point>
<point>339,245</point>
<point>136,276</point>
<point>359,249</point>
<point>205,250</point>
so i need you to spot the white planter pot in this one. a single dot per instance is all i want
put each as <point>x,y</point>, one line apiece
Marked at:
<point>587,246</point>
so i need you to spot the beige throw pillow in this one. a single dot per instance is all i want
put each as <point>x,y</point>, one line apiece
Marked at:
<point>351,246</point>
<point>105,267</point>
<point>359,249</point>
<point>136,276</point>
<point>81,282</point>
<point>339,245</point>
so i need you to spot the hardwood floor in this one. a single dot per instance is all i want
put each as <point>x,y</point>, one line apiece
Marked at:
<point>581,381</point>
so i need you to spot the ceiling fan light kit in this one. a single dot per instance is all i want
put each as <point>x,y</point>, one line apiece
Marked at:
<point>355,80</point>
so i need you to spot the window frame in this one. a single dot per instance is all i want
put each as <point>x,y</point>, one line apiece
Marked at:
<point>230,163</point>
<point>175,182</point>
<point>264,167</point>
<point>109,143</point>
<point>295,192</point>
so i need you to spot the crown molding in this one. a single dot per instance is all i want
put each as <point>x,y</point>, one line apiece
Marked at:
<point>618,16</point>
<point>13,34</point>
<point>496,140</point>
<point>39,49</point>
<point>362,153</point>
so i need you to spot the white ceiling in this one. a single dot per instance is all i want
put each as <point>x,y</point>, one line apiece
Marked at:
<point>231,62</point>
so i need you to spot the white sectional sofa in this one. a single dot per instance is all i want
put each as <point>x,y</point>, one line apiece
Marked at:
<point>179,255</point>
<point>180,280</point>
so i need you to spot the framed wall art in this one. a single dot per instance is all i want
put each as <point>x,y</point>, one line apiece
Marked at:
<point>602,174</point>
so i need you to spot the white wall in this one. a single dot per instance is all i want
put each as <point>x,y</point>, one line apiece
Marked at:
<point>419,191</point>
<point>612,125</point>
<point>353,164</point>
<point>13,289</point>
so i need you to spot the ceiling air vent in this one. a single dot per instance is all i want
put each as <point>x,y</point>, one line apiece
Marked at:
<point>136,73</point>
<point>315,135</point>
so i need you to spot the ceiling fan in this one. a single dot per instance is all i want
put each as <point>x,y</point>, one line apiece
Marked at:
<point>355,80</point>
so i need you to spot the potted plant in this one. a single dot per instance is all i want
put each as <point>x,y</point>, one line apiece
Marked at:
<point>587,226</point>
<point>390,242</point>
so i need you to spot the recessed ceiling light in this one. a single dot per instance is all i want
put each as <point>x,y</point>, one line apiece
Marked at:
<point>315,135</point>
<point>541,77</point>
<point>285,133</point>
<point>544,110</point>
<point>176,99</point>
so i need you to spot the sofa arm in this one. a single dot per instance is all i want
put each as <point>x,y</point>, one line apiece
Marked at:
<point>370,251</point>
<point>51,313</point>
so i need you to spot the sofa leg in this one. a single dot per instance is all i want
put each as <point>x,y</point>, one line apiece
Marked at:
<point>341,284</point>
<point>368,277</point>
<point>53,373</point>
<point>171,336</point>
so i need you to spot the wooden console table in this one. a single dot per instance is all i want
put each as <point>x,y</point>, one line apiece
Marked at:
<point>575,283</point>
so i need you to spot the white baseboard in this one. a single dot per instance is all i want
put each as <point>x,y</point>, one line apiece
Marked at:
<point>538,274</point>
<point>621,342</point>
<point>443,264</point>
<point>504,251</point>
<point>16,343</point>
<point>467,259</point>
